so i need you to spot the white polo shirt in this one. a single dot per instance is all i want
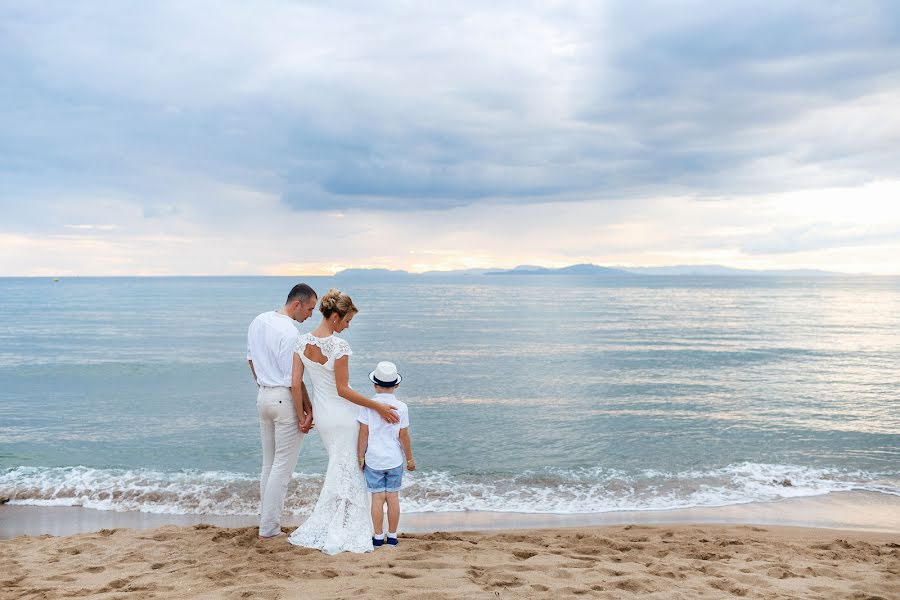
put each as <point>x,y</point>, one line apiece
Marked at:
<point>270,345</point>
<point>384,450</point>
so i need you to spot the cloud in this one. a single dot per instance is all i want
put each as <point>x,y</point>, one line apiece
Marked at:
<point>818,237</point>
<point>210,119</point>
<point>448,105</point>
<point>92,227</point>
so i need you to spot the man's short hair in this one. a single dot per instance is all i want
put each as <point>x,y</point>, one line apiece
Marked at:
<point>301,292</point>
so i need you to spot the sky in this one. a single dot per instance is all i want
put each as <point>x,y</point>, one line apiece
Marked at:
<point>299,138</point>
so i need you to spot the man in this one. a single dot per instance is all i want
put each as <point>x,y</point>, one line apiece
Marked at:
<point>270,351</point>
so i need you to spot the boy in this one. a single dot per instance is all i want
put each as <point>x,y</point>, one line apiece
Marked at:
<point>381,451</point>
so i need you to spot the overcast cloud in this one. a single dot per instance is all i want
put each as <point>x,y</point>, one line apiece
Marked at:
<point>275,136</point>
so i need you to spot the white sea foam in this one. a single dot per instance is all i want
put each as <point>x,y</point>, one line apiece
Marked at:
<point>558,491</point>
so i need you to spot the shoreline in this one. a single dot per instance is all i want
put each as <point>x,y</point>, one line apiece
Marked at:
<point>850,511</point>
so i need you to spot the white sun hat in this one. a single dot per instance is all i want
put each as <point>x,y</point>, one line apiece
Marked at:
<point>385,374</point>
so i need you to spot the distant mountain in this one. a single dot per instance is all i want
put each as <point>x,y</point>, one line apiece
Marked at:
<point>588,270</point>
<point>582,269</point>
<point>719,270</point>
<point>374,273</point>
<point>456,273</point>
<point>465,272</point>
<point>401,274</point>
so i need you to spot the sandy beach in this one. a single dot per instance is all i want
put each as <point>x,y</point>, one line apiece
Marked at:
<point>847,547</point>
<point>664,561</point>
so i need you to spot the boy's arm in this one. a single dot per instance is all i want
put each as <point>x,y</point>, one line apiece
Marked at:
<point>407,449</point>
<point>362,443</point>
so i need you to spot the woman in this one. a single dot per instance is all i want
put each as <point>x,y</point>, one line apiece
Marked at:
<point>341,520</point>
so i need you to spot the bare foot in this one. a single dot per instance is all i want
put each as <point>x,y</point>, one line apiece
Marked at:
<point>265,538</point>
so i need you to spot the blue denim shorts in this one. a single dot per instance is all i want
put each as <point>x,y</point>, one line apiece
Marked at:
<point>384,480</point>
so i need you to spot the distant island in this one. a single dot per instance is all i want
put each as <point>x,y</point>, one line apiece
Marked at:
<point>591,270</point>
<point>581,269</point>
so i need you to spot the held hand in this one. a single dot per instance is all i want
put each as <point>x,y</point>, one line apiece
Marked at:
<point>411,464</point>
<point>388,413</point>
<point>362,463</point>
<point>306,423</point>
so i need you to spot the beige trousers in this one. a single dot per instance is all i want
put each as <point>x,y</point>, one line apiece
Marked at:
<point>281,441</point>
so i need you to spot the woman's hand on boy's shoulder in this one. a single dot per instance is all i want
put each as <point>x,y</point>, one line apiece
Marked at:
<point>388,412</point>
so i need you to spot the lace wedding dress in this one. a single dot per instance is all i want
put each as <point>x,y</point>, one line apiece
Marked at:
<point>341,520</point>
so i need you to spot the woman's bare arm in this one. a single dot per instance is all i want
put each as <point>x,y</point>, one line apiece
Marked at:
<point>342,381</point>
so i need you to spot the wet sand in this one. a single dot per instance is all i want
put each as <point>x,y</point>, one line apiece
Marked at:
<point>864,511</point>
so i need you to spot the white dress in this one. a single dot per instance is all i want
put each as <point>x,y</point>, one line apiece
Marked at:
<point>341,520</point>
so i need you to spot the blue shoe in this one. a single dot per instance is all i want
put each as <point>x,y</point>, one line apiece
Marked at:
<point>392,541</point>
<point>376,542</point>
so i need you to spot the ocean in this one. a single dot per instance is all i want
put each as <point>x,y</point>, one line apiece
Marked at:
<point>534,394</point>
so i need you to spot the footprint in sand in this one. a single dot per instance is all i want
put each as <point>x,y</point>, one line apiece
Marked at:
<point>439,535</point>
<point>731,587</point>
<point>225,535</point>
<point>403,574</point>
<point>781,573</point>
<point>220,575</point>
<point>490,581</point>
<point>575,591</point>
<point>579,564</point>
<point>115,584</point>
<point>671,574</point>
<point>254,592</point>
<point>634,585</point>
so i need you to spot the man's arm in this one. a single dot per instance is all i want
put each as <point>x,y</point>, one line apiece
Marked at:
<point>250,356</point>
<point>362,444</point>
<point>407,449</point>
<point>297,392</point>
<point>307,422</point>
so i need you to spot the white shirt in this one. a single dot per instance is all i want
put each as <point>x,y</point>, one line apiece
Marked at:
<point>270,345</point>
<point>384,450</point>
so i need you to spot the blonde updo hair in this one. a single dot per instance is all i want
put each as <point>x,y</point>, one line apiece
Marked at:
<point>336,302</point>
